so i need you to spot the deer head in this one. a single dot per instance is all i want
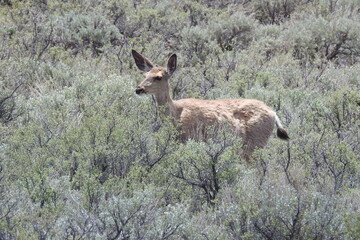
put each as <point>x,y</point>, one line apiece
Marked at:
<point>156,78</point>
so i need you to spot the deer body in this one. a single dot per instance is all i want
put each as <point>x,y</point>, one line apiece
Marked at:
<point>250,119</point>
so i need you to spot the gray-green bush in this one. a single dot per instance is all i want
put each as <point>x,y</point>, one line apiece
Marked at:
<point>83,157</point>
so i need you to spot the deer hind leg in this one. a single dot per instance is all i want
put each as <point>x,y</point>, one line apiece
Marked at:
<point>257,136</point>
<point>247,149</point>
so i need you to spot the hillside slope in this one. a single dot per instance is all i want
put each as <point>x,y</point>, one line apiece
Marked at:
<point>83,157</point>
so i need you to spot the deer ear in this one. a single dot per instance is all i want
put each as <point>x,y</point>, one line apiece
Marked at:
<point>142,62</point>
<point>171,65</point>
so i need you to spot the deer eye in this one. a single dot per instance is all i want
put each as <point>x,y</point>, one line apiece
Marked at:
<point>157,78</point>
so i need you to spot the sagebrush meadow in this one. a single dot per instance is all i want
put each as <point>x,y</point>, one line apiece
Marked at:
<point>82,156</point>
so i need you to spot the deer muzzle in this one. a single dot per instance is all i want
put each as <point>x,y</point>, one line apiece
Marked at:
<point>139,91</point>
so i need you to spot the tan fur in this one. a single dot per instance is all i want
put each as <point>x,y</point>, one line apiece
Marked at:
<point>251,119</point>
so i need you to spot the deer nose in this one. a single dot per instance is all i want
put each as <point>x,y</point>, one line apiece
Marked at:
<point>139,90</point>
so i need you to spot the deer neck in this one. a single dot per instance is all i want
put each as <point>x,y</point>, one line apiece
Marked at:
<point>165,104</point>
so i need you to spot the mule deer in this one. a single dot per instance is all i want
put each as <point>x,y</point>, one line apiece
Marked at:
<point>251,119</point>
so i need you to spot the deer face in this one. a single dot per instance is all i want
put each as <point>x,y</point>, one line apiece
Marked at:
<point>156,78</point>
<point>155,82</point>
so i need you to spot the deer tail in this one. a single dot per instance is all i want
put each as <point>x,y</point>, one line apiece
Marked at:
<point>281,132</point>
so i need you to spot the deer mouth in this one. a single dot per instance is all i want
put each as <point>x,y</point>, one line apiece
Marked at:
<point>140,91</point>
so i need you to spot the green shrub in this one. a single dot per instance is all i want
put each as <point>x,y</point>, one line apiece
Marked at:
<point>82,156</point>
<point>79,32</point>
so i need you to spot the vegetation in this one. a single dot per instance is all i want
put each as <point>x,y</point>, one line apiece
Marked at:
<point>83,157</point>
